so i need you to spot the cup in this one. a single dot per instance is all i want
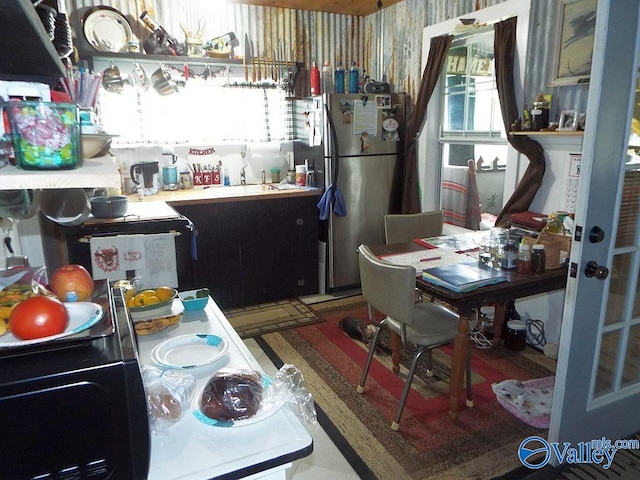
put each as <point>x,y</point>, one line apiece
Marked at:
<point>185,180</point>
<point>170,175</point>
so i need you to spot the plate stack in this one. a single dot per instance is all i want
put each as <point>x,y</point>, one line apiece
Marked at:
<point>47,17</point>
<point>63,40</point>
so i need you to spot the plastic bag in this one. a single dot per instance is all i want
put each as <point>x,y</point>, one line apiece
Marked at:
<point>240,396</point>
<point>169,395</point>
<point>289,383</point>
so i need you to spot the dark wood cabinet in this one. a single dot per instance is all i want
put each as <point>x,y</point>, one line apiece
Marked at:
<point>252,252</point>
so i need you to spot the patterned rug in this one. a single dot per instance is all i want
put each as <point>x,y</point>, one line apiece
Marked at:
<point>481,444</point>
<point>270,317</point>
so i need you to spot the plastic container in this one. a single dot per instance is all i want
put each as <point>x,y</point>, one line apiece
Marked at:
<point>339,78</point>
<point>275,175</point>
<point>508,255</point>
<point>538,258</point>
<point>516,335</point>
<point>315,79</point>
<point>301,175</point>
<point>354,78</point>
<point>46,136</point>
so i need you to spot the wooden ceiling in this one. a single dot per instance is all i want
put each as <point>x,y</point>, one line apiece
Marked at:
<point>347,7</point>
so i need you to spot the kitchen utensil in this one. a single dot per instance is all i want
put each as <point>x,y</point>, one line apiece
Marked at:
<point>163,82</point>
<point>94,144</point>
<point>68,207</point>
<point>141,78</point>
<point>112,80</point>
<point>14,260</point>
<point>247,57</point>
<point>148,173</point>
<point>253,64</point>
<point>111,206</point>
<point>186,180</point>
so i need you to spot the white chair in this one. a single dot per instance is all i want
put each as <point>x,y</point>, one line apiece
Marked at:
<point>399,228</point>
<point>389,289</point>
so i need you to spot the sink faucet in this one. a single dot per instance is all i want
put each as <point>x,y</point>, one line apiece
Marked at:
<point>243,176</point>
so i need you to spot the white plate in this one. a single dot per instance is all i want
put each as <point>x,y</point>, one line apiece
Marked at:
<point>270,405</point>
<point>82,316</point>
<point>107,30</point>
<point>189,351</point>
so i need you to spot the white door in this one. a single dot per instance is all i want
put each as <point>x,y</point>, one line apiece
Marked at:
<point>598,375</point>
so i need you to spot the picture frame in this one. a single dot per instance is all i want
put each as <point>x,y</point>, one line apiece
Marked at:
<point>568,121</point>
<point>574,34</point>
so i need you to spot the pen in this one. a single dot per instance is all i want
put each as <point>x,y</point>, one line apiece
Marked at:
<point>428,259</point>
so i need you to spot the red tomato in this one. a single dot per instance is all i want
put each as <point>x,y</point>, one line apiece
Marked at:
<point>38,317</point>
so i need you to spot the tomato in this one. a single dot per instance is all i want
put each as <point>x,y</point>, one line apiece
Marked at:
<point>38,317</point>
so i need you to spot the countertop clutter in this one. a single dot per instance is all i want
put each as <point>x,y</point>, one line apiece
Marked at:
<point>193,450</point>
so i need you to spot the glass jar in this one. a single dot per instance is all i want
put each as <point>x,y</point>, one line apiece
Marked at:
<point>539,116</point>
<point>523,264</point>
<point>537,258</point>
<point>508,255</point>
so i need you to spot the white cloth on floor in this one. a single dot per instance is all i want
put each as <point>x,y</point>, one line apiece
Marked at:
<point>530,401</point>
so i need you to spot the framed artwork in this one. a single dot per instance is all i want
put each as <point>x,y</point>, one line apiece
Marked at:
<point>568,121</point>
<point>575,28</point>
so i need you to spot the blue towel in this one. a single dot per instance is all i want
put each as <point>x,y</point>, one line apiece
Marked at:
<point>332,195</point>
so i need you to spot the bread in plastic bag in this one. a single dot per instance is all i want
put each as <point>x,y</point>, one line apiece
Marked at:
<point>169,394</point>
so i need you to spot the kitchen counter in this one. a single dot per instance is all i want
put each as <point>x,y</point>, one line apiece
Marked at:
<point>194,451</point>
<point>220,193</point>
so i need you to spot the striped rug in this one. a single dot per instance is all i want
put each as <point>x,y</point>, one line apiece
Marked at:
<point>481,444</point>
<point>270,317</point>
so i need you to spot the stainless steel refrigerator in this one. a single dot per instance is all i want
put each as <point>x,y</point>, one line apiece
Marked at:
<point>360,136</point>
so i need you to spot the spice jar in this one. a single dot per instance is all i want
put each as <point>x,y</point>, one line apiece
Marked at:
<point>537,258</point>
<point>523,265</point>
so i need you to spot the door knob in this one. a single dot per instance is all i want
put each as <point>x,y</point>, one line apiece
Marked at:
<point>592,269</point>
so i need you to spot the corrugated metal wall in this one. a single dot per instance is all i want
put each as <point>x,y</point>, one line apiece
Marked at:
<point>389,40</point>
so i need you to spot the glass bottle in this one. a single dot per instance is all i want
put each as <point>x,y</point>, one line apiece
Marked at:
<point>508,255</point>
<point>524,259</point>
<point>537,258</point>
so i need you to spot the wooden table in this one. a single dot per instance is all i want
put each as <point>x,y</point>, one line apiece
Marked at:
<point>518,286</point>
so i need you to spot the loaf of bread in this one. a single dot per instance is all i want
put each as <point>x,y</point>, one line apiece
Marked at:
<point>232,395</point>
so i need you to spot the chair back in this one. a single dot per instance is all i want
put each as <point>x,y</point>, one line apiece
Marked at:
<point>399,228</point>
<point>388,288</point>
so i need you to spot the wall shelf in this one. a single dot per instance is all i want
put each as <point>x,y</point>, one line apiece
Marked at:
<point>555,133</point>
<point>27,52</point>
<point>94,173</point>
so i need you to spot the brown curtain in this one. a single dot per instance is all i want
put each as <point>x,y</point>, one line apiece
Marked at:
<point>404,194</point>
<point>504,48</point>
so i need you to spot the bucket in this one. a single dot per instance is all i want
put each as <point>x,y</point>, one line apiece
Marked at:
<point>516,335</point>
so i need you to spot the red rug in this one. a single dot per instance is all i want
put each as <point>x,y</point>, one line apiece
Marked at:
<point>481,444</point>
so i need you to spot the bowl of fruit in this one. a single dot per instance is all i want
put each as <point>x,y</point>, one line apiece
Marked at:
<point>157,300</point>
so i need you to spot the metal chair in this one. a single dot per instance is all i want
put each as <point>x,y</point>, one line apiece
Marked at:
<point>399,228</point>
<point>389,289</point>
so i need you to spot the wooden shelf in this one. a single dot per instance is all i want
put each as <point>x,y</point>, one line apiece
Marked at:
<point>555,133</point>
<point>98,172</point>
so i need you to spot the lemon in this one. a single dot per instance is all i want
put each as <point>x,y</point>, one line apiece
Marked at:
<point>148,293</point>
<point>140,300</point>
<point>152,299</point>
<point>164,293</point>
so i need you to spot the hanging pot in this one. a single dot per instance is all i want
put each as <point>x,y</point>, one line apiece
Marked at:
<point>162,81</point>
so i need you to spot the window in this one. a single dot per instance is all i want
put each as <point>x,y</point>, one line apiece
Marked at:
<point>201,112</point>
<point>471,126</point>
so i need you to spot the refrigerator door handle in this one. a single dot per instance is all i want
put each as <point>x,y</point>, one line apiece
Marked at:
<point>334,146</point>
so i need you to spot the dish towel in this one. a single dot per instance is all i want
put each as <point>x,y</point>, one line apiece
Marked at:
<point>332,195</point>
<point>151,256</point>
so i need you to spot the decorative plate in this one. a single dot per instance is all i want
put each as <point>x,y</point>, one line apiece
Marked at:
<point>271,403</point>
<point>82,316</point>
<point>107,30</point>
<point>189,351</point>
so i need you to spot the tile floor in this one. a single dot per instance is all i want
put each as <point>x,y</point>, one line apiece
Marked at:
<point>326,462</point>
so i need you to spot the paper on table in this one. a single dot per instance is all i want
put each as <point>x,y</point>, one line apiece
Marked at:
<point>420,260</point>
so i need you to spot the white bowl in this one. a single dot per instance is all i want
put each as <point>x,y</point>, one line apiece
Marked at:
<point>94,144</point>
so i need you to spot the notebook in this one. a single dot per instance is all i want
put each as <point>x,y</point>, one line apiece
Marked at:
<point>464,276</point>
